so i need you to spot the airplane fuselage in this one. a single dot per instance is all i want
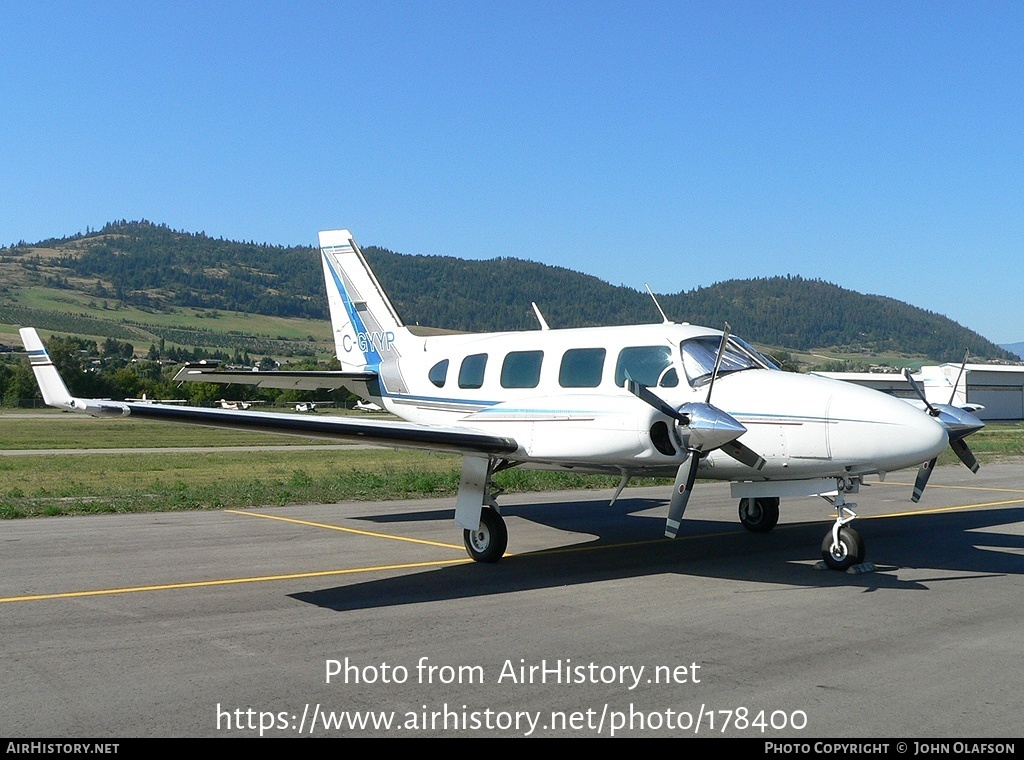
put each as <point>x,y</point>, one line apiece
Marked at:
<point>561,395</point>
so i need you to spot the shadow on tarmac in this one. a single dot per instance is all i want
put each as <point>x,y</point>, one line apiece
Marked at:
<point>627,545</point>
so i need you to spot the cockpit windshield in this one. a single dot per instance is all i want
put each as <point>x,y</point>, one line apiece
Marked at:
<point>699,358</point>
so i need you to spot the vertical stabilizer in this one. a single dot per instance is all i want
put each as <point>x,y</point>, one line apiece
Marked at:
<point>368,333</point>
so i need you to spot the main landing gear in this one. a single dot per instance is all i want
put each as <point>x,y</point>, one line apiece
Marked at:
<point>759,515</point>
<point>476,509</point>
<point>488,542</point>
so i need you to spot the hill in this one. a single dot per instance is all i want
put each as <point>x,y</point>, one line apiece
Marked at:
<point>169,281</point>
<point>1014,348</point>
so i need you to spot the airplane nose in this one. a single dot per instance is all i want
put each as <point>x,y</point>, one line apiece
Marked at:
<point>869,426</point>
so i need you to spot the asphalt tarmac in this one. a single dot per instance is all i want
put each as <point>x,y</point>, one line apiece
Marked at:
<point>367,619</point>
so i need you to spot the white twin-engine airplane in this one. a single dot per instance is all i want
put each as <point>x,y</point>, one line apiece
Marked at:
<point>630,400</point>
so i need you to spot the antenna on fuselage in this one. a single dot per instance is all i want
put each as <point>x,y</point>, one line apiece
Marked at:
<point>661,311</point>
<point>540,317</point>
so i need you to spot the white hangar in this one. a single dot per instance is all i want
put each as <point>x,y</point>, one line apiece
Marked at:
<point>997,387</point>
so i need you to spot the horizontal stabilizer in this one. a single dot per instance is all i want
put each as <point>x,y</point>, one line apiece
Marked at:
<point>311,380</point>
<point>55,393</point>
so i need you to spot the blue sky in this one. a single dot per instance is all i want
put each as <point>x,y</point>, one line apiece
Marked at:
<point>876,145</point>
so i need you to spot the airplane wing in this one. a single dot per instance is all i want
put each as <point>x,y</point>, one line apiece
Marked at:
<point>290,380</point>
<point>387,433</point>
<point>972,408</point>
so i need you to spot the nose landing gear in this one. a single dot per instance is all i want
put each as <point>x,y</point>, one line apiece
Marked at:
<point>843,548</point>
<point>843,551</point>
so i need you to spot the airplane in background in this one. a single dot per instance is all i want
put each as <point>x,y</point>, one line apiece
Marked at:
<point>367,406</point>
<point>237,406</point>
<point>311,406</point>
<point>145,400</point>
<point>664,399</point>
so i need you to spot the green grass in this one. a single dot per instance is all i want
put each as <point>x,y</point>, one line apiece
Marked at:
<point>72,313</point>
<point>87,484</point>
<point>51,484</point>
<point>67,301</point>
<point>78,431</point>
<point>997,440</point>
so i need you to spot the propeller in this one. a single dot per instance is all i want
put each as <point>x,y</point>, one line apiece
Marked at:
<point>959,423</point>
<point>703,427</point>
<point>963,366</point>
<point>685,475</point>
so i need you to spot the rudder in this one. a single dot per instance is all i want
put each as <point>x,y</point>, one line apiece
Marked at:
<point>368,333</point>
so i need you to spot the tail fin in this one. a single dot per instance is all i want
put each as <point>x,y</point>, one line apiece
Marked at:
<point>55,393</point>
<point>365,324</point>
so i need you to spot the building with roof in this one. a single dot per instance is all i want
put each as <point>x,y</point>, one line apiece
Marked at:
<point>999,388</point>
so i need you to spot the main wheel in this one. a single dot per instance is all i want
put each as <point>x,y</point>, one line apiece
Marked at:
<point>487,543</point>
<point>759,515</point>
<point>847,553</point>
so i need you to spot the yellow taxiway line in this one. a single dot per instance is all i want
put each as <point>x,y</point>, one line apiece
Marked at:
<point>436,563</point>
<point>230,581</point>
<point>356,531</point>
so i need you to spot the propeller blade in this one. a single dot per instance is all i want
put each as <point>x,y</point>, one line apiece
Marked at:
<point>923,473</point>
<point>920,393</point>
<point>959,423</point>
<point>644,394</point>
<point>962,450</point>
<point>718,361</point>
<point>963,366</point>
<point>681,489</point>
<point>744,455</point>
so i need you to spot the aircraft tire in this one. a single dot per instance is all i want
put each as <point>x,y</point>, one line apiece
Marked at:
<point>488,542</point>
<point>849,552</point>
<point>759,515</point>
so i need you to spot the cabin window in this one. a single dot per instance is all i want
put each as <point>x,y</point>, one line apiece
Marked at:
<point>471,373</point>
<point>647,365</point>
<point>521,369</point>
<point>439,373</point>
<point>581,368</point>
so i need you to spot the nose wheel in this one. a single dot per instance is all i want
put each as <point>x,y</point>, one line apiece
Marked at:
<point>488,542</point>
<point>843,551</point>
